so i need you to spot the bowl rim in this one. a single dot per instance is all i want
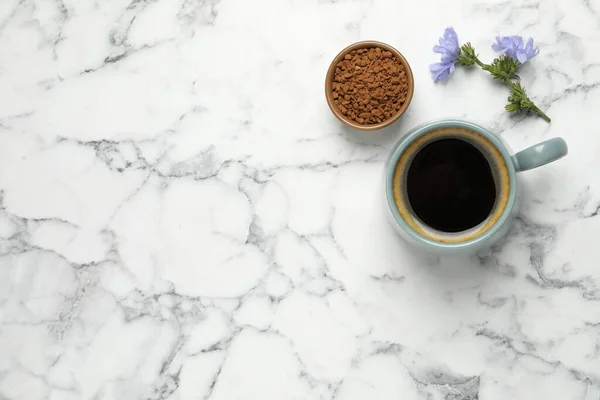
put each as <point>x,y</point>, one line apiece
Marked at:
<point>331,73</point>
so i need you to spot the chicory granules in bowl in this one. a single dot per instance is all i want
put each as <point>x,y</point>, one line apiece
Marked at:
<point>369,85</point>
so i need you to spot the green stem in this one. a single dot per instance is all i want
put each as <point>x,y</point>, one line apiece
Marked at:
<point>509,83</point>
<point>533,107</point>
<point>541,113</point>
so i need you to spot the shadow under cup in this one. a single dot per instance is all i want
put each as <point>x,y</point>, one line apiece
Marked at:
<point>482,147</point>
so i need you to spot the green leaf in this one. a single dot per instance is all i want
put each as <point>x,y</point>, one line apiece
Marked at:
<point>519,101</point>
<point>511,107</point>
<point>467,55</point>
<point>503,68</point>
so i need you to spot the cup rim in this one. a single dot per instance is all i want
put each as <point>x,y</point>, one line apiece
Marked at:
<point>419,131</point>
<point>329,84</point>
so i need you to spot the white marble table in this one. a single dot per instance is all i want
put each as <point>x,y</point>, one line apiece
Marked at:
<point>181,217</point>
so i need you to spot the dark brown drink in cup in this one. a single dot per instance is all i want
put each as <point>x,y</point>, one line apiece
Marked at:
<point>455,182</point>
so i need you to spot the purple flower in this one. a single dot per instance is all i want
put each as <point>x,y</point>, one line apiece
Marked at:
<point>449,49</point>
<point>513,47</point>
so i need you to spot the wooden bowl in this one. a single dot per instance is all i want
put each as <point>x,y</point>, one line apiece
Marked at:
<point>329,85</point>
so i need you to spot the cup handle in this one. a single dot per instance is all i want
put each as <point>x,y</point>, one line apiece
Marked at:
<point>540,154</point>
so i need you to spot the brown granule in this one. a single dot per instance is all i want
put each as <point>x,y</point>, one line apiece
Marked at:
<point>369,85</point>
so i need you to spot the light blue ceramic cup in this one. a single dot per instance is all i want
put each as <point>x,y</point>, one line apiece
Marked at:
<point>505,168</point>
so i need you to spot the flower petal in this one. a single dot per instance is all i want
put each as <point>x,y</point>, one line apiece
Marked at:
<point>498,48</point>
<point>442,76</point>
<point>450,35</point>
<point>528,46</point>
<point>448,58</point>
<point>435,67</point>
<point>530,52</point>
<point>514,47</point>
<point>448,45</point>
<point>517,41</point>
<point>452,40</point>
<point>439,49</point>
<point>441,71</point>
<point>451,68</point>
